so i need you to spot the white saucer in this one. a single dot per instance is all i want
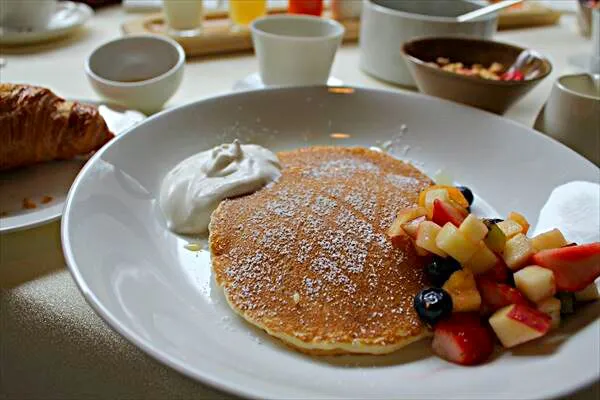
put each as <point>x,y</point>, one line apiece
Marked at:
<point>254,82</point>
<point>68,17</point>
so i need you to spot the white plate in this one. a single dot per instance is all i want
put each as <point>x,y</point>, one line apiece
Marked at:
<point>254,82</point>
<point>68,17</point>
<point>51,179</point>
<point>139,277</point>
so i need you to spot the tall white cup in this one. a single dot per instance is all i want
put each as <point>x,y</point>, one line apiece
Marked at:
<point>184,17</point>
<point>295,49</point>
<point>26,14</point>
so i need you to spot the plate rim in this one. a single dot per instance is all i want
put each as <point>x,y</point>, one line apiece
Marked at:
<point>207,377</point>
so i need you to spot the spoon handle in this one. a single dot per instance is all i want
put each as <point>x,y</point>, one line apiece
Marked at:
<point>487,10</point>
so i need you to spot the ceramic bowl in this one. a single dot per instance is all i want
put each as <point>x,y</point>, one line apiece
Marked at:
<point>140,72</point>
<point>387,24</point>
<point>489,95</point>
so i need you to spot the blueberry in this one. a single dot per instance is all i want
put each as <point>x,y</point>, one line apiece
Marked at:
<point>567,302</point>
<point>467,193</point>
<point>432,305</point>
<point>439,270</point>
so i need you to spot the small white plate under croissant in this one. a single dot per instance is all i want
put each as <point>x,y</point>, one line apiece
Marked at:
<point>44,142</point>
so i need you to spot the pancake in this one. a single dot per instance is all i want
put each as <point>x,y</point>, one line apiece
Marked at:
<point>307,259</point>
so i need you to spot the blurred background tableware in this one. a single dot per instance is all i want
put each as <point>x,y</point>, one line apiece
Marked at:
<point>184,17</point>
<point>295,49</point>
<point>64,18</point>
<point>141,72</point>
<point>492,8</point>
<point>594,67</point>
<point>584,15</point>
<point>243,12</point>
<point>490,95</point>
<point>387,24</point>
<point>25,14</point>
<point>344,9</point>
<point>308,7</point>
<point>572,114</point>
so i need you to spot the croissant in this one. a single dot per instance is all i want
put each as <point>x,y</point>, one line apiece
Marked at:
<point>38,126</point>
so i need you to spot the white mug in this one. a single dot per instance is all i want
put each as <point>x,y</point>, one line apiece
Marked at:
<point>26,14</point>
<point>572,115</point>
<point>295,49</point>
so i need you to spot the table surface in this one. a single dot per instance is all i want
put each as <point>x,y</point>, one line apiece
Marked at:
<point>52,345</point>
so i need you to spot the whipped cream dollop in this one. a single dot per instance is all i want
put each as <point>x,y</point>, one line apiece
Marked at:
<point>192,190</point>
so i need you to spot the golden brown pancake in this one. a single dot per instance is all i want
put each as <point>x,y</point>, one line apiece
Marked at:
<point>308,260</point>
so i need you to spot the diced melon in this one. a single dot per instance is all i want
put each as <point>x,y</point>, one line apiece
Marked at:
<point>495,239</point>
<point>454,243</point>
<point>473,228</point>
<point>426,237</point>
<point>432,195</point>
<point>461,286</point>
<point>482,260</point>
<point>510,228</point>
<point>551,306</point>
<point>517,252</point>
<point>535,282</point>
<point>553,239</point>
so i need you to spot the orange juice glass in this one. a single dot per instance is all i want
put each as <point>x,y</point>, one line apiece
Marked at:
<point>243,12</point>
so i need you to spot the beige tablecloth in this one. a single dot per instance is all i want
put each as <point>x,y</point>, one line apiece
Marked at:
<point>52,345</point>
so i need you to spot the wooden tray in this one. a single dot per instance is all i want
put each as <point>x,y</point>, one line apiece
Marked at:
<point>218,38</point>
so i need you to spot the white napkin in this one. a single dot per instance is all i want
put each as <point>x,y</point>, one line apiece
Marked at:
<point>574,208</point>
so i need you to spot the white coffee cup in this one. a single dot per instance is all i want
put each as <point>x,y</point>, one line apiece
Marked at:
<point>295,49</point>
<point>572,115</point>
<point>26,14</point>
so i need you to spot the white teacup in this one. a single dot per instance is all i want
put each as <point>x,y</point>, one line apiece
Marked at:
<point>26,14</point>
<point>572,115</point>
<point>295,49</point>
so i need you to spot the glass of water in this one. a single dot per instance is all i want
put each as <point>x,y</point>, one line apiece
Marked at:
<point>184,17</point>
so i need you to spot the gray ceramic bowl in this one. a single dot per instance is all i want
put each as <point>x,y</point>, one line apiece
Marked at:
<point>489,95</point>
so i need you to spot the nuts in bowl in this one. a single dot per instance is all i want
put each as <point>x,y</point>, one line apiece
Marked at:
<point>473,71</point>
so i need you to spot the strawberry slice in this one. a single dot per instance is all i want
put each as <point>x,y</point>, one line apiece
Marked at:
<point>444,212</point>
<point>574,267</point>
<point>498,273</point>
<point>463,339</point>
<point>495,295</point>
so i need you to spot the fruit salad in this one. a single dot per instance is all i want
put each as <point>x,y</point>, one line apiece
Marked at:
<point>489,278</point>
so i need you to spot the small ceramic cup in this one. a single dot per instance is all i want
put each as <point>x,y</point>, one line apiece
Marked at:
<point>572,115</point>
<point>295,49</point>
<point>140,72</point>
<point>23,14</point>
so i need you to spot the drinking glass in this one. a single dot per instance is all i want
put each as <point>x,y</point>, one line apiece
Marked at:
<point>310,7</point>
<point>243,12</point>
<point>184,17</point>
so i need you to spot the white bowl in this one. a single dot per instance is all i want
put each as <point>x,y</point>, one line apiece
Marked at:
<point>140,72</point>
<point>387,24</point>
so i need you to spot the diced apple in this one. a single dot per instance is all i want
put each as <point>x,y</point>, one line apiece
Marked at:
<point>454,243</point>
<point>517,323</point>
<point>410,213</point>
<point>574,267</point>
<point>412,227</point>
<point>521,220</point>
<point>454,195</point>
<point>590,293</point>
<point>553,239</point>
<point>421,252</point>
<point>551,306</point>
<point>397,235</point>
<point>517,252</point>
<point>396,232</point>
<point>463,289</point>
<point>496,295</point>
<point>473,228</point>
<point>510,228</point>
<point>444,212</point>
<point>535,282</point>
<point>426,237</point>
<point>482,260</point>
<point>495,239</point>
